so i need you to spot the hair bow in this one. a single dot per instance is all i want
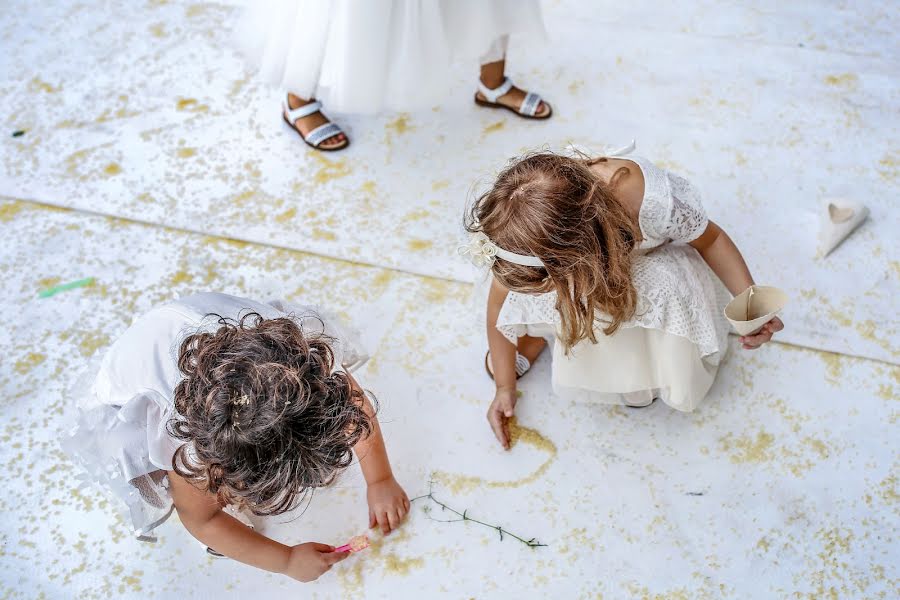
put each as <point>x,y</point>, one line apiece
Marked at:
<point>483,252</point>
<point>480,250</point>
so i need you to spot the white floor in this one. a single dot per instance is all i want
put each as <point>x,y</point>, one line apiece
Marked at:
<point>782,484</point>
<point>783,481</point>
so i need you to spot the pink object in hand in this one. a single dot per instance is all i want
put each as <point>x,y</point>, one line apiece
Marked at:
<point>356,543</point>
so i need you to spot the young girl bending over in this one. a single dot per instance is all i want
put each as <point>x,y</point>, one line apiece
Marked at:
<point>214,401</point>
<point>614,258</point>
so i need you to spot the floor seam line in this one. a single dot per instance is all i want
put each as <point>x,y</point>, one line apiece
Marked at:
<point>51,206</point>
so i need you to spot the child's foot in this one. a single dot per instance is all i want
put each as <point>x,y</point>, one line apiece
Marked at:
<point>506,95</point>
<point>641,399</point>
<point>307,119</point>
<point>528,349</point>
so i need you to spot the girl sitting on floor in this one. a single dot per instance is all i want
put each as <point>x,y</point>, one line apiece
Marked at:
<point>616,259</point>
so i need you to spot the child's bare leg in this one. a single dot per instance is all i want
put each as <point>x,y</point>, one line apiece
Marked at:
<point>528,346</point>
<point>492,75</point>
<point>531,347</point>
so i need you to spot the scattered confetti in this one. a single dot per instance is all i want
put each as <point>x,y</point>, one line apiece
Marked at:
<point>65,287</point>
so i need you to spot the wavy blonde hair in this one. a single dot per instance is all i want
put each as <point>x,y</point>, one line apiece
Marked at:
<point>554,207</point>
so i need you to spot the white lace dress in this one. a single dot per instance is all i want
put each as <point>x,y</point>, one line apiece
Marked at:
<point>671,349</point>
<point>121,439</point>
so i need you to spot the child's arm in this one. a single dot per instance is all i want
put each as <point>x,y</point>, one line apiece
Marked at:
<point>388,503</point>
<point>503,362</point>
<point>203,517</point>
<point>724,258</point>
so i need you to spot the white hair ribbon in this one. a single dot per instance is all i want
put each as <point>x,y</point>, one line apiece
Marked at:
<point>483,252</point>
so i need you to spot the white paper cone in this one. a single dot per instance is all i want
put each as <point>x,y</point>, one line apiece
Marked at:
<point>840,218</point>
<point>754,307</point>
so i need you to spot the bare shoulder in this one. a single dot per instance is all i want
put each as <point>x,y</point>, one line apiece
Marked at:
<point>190,501</point>
<point>626,178</point>
<point>498,290</point>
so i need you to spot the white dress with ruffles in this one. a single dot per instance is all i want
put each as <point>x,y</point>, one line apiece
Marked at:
<point>362,57</point>
<point>671,349</point>
<point>121,439</point>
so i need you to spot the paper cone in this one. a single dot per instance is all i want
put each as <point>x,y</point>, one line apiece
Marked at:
<point>754,307</point>
<point>840,218</point>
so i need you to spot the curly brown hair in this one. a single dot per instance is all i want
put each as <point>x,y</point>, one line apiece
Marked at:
<point>266,418</point>
<point>556,208</point>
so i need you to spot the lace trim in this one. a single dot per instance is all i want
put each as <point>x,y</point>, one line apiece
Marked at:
<point>671,210</point>
<point>676,293</point>
<point>687,218</point>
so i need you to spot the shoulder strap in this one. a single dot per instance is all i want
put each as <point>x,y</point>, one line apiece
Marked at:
<point>304,111</point>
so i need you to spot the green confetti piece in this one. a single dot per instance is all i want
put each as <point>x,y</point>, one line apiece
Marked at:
<point>18,133</point>
<point>64,287</point>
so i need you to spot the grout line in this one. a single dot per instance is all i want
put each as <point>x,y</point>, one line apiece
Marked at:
<point>844,354</point>
<point>51,206</point>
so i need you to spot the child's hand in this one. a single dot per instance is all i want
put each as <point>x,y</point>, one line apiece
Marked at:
<point>388,504</point>
<point>752,342</point>
<point>502,408</point>
<point>308,561</point>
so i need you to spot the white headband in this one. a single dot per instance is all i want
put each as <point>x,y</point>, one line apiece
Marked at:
<point>483,252</point>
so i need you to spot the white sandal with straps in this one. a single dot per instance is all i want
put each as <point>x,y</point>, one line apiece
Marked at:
<point>318,135</point>
<point>527,110</point>
<point>523,365</point>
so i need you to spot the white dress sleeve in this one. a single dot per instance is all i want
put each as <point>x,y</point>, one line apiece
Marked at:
<point>687,219</point>
<point>672,210</point>
<point>350,352</point>
<point>126,451</point>
<point>528,314</point>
